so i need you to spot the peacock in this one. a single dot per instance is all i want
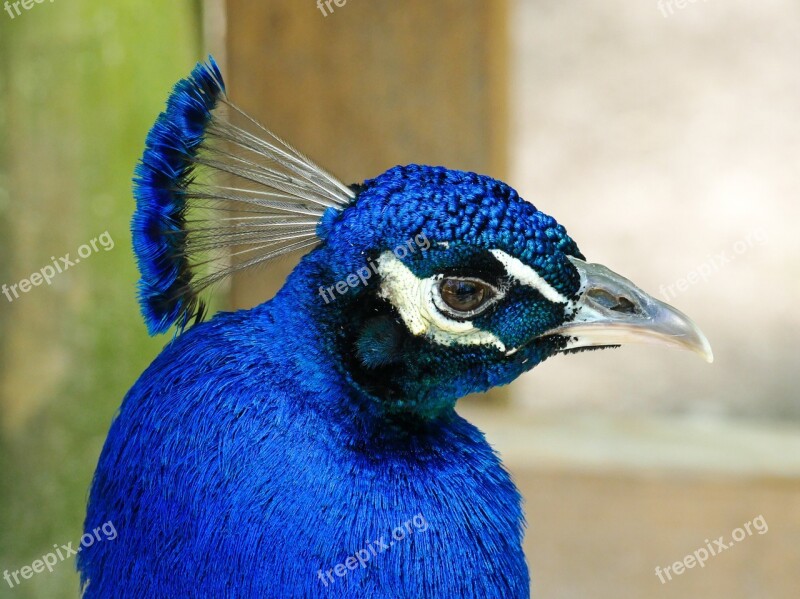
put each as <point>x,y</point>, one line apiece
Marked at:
<point>309,447</point>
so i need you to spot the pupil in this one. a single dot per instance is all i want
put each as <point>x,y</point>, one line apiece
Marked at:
<point>462,295</point>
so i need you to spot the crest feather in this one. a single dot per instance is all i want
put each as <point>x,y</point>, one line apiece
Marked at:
<point>216,192</point>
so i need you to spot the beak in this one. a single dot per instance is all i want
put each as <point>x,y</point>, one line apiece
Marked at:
<point>613,311</point>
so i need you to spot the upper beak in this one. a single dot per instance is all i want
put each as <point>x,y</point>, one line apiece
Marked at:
<point>613,311</point>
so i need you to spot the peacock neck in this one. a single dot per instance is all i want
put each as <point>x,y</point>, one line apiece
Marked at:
<point>304,336</point>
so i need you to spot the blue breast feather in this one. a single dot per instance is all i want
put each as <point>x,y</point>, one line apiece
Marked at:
<point>240,465</point>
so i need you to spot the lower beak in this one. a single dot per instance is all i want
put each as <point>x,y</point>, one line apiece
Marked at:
<point>613,311</point>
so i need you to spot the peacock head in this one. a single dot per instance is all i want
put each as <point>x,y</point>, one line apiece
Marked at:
<point>425,283</point>
<point>440,283</point>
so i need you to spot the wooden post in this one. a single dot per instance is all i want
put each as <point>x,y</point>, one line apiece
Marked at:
<point>371,85</point>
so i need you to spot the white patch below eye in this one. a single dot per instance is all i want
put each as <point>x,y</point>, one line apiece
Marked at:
<point>528,276</point>
<point>413,299</point>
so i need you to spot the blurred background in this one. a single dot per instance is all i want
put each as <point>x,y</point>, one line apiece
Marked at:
<point>664,135</point>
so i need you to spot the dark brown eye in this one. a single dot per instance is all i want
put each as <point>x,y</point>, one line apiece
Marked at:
<point>464,295</point>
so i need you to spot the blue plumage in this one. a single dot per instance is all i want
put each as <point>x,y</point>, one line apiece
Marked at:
<point>264,448</point>
<point>161,180</point>
<point>242,463</point>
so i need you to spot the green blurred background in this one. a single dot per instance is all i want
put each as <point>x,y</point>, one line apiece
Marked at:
<point>81,83</point>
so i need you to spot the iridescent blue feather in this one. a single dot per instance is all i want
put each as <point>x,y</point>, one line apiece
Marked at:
<point>162,177</point>
<point>214,197</point>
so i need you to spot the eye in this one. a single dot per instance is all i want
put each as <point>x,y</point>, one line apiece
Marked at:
<point>465,296</point>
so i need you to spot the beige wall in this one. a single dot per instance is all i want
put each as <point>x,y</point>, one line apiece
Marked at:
<point>660,143</point>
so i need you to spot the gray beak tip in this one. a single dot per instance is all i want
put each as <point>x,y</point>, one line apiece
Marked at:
<point>705,351</point>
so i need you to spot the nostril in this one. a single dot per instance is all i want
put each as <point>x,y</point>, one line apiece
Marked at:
<point>624,305</point>
<point>612,302</point>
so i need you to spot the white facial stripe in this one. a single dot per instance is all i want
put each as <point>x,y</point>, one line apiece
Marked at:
<point>413,299</point>
<point>527,276</point>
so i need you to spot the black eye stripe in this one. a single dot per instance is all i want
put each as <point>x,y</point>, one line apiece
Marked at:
<point>483,266</point>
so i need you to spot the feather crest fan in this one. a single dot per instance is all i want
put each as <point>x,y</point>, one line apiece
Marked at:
<point>214,196</point>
